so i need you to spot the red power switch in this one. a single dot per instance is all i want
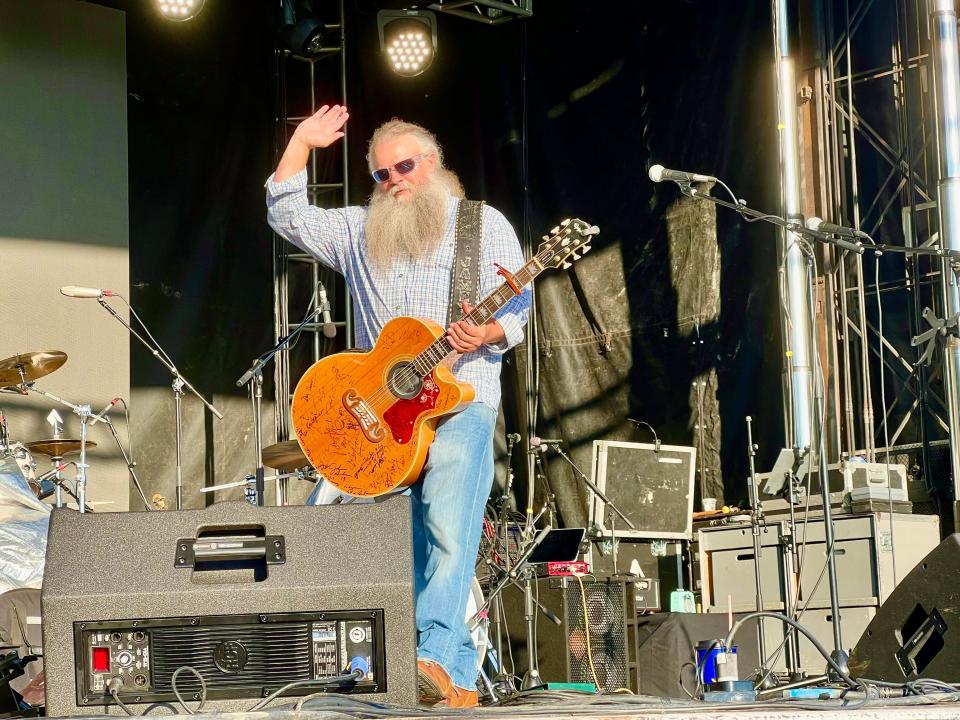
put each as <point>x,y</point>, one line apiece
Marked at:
<point>101,659</point>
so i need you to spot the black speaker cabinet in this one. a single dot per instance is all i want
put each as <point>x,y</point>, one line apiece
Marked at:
<point>916,632</point>
<point>562,649</point>
<point>250,597</point>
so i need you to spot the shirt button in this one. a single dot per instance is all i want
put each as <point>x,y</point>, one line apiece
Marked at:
<point>397,308</point>
<point>399,274</point>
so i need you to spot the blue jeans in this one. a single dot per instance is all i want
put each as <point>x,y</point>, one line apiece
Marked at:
<point>448,507</point>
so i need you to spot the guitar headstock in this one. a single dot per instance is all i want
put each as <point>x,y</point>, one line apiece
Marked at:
<point>569,241</point>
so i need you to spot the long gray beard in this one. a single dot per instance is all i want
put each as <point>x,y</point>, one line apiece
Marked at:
<point>406,230</point>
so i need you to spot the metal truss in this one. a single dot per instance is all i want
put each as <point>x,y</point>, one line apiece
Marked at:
<point>296,275</point>
<point>491,12</point>
<point>874,149</point>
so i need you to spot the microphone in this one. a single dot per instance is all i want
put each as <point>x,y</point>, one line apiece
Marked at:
<point>821,230</point>
<point>658,173</point>
<point>818,225</point>
<point>99,416</point>
<point>538,444</point>
<point>85,292</point>
<point>329,329</point>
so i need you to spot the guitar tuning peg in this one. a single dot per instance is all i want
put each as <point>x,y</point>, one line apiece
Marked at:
<point>555,230</point>
<point>586,248</point>
<point>545,237</point>
<point>565,222</point>
<point>575,256</point>
<point>566,265</point>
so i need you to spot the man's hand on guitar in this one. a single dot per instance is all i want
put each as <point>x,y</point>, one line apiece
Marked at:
<point>464,337</point>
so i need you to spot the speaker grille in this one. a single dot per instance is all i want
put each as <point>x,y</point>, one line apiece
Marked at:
<point>275,654</point>
<point>608,634</point>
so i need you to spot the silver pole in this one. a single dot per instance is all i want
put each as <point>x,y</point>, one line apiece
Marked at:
<point>794,280</point>
<point>943,21</point>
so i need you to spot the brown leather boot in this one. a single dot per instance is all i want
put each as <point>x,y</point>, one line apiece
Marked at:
<point>433,683</point>
<point>460,698</point>
<point>436,688</point>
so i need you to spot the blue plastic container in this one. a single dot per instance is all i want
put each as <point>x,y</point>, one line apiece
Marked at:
<point>707,660</point>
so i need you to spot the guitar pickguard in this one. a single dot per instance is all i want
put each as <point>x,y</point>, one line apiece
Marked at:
<point>401,417</point>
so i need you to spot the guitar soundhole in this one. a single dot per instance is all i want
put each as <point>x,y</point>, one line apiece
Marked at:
<point>404,381</point>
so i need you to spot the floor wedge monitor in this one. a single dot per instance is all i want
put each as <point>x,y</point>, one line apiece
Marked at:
<point>916,632</point>
<point>248,598</point>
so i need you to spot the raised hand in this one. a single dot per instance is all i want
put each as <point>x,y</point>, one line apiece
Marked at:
<point>323,128</point>
<point>320,130</point>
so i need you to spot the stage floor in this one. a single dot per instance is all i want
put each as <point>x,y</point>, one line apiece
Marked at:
<point>614,709</point>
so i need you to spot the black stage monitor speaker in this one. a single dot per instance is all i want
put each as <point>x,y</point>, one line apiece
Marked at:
<point>251,597</point>
<point>562,649</point>
<point>916,632</point>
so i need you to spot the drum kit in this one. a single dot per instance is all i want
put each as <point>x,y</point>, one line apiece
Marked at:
<point>288,458</point>
<point>18,376</point>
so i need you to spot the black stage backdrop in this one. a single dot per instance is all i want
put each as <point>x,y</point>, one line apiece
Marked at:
<point>557,115</point>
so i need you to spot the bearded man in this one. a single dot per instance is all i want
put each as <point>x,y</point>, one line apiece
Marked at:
<point>396,255</point>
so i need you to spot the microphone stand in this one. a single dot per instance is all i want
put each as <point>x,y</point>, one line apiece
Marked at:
<point>939,329</point>
<point>179,383</point>
<point>254,376</point>
<point>838,654</point>
<point>130,463</point>
<point>599,493</point>
<point>522,571</point>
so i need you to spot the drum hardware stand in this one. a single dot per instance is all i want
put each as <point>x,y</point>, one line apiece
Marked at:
<point>522,571</point>
<point>249,483</point>
<point>501,681</point>
<point>87,418</point>
<point>254,376</point>
<point>179,383</point>
<point>54,419</point>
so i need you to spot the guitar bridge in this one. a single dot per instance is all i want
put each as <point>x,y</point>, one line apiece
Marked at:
<point>364,415</point>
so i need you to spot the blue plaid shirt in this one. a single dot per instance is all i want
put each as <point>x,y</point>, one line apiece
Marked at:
<point>419,288</point>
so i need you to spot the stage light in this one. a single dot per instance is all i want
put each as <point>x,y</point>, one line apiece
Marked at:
<point>303,32</point>
<point>304,38</point>
<point>179,10</point>
<point>408,40</point>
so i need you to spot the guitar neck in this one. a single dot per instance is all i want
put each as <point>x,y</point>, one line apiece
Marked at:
<point>434,354</point>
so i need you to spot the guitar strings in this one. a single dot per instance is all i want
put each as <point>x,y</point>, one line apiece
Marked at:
<point>433,354</point>
<point>412,371</point>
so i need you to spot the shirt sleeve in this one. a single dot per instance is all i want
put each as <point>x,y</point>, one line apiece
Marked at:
<point>324,233</point>
<point>500,245</point>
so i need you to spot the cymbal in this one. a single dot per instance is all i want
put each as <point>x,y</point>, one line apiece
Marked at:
<point>285,456</point>
<point>56,447</point>
<point>34,364</point>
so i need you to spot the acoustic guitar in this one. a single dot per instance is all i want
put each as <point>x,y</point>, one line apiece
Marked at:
<point>366,420</point>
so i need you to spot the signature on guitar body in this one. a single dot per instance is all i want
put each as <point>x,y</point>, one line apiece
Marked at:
<point>366,420</point>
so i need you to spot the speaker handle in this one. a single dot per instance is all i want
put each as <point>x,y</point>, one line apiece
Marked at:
<point>192,552</point>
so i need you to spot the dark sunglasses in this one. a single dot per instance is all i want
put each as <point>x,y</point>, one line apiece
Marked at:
<point>403,168</point>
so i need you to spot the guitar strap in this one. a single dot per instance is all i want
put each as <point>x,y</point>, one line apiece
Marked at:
<point>465,274</point>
